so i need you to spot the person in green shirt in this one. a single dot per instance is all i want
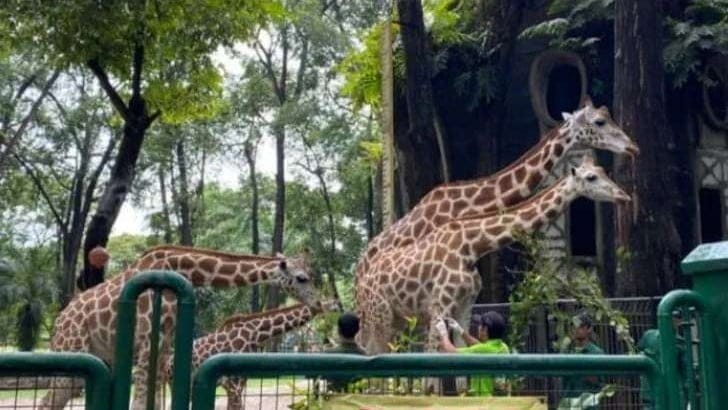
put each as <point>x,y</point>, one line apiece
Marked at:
<point>348,326</point>
<point>575,386</point>
<point>491,331</point>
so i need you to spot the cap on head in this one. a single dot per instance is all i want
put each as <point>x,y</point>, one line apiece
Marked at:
<point>348,325</point>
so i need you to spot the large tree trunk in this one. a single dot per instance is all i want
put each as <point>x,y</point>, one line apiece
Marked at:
<point>185,218</point>
<point>274,296</point>
<point>419,146</point>
<point>136,122</point>
<point>647,227</point>
<point>254,223</point>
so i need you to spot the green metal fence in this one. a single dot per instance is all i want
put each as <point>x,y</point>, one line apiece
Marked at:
<point>413,365</point>
<point>100,392</point>
<point>96,375</point>
<point>158,281</point>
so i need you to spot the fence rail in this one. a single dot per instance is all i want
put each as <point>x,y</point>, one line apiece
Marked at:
<point>411,365</point>
<point>96,375</point>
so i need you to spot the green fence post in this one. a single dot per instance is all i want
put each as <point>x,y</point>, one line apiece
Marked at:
<point>126,324</point>
<point>708,358</point>
<point>708,266</point>
<point>97,376</point>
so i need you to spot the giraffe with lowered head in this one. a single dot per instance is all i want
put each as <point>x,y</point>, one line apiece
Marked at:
<point>436,276</point>
<point>245,333</point>
<point>588,126</point>
<point>88,323</point>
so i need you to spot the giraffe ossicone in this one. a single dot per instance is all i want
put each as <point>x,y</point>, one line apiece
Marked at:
<point>437,277</point>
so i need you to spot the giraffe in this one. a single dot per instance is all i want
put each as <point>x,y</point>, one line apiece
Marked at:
<point>245,333</point>
<point>88,323</point>
<point>436,276</point>
<point>588,126</point>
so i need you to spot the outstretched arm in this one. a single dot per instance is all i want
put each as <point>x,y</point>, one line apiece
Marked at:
<point>445,343</point>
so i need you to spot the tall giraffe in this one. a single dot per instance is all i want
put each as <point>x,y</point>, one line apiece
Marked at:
<point>588,126</point>
<point>88,323</point>
<point>245,333</point>
<point>437,277</point>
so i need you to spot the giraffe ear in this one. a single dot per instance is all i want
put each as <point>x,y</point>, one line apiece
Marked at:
<point>566,116</point>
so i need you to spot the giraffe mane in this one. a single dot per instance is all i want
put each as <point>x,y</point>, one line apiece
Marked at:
<point>210,252</point>
<point>514,164</point>
<point>513,208</point>
<point>244,317</point>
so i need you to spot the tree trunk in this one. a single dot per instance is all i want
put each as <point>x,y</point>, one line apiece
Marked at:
<point>136,122</point>
<point>419,146</point>
<point>332,232</point>
<point>388,163</point>
<point>254,223</point>
<point>280,209</point>
<point>647,226</point>
<point>370,206</point>
<point>166,221</point>
<point>185,225</point>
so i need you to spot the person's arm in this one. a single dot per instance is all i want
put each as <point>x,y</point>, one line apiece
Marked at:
<point>445,343</point>
<point>467,337</point>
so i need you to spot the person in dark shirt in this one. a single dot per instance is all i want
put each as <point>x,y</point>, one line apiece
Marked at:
<point>348,325</point>
<point>576,386</point>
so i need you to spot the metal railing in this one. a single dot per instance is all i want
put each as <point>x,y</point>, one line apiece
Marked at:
<point>96,375</point>
<point>412,365</point>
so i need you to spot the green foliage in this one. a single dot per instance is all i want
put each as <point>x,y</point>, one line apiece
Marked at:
<point>703,32</point>
<point>27,293</point>
<point>362,70</point>
<point>568,17</point>
<point>545,281</point>
<point>180,77</point>
<point>405,341</point>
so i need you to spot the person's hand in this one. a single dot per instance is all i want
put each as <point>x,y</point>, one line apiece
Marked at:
<point>441,328</point>
<point>455,326</point>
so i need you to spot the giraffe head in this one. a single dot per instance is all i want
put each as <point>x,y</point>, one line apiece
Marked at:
<point>590,180</point>
<point>594,127</point>
<point>295,277</point>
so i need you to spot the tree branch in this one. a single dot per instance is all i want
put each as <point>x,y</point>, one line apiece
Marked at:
<point>301,68</point>
<point>39,184</point>
<point>105,158</point>
<point>267,63</point>
<point>10,145</point>
<point>116,100</point>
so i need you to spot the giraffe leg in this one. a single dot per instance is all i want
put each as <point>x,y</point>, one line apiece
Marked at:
<point>72,338</point>
<point>377,330</point>
<point>234,387</point>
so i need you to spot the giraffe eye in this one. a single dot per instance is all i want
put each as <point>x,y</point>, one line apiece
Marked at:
<point>600,122</point>
<point>301,279</point>
<point>591,178</point>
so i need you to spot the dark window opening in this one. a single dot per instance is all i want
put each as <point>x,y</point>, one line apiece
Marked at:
<point>564,90</point>
<point>717,97</point>
<point>711,215</point>
<point>583,227</point>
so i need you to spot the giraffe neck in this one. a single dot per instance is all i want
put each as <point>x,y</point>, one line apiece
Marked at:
<point>494,230</point>
<point>516,182</point>
<point>277,323</point>
<point>205,267</point>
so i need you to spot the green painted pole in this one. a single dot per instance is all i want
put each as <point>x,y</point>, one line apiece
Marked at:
<point>126,316</point>
<point>708,359</point>
<point>414,364</point>
<point>96,374</point>
<point>154,349</point>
